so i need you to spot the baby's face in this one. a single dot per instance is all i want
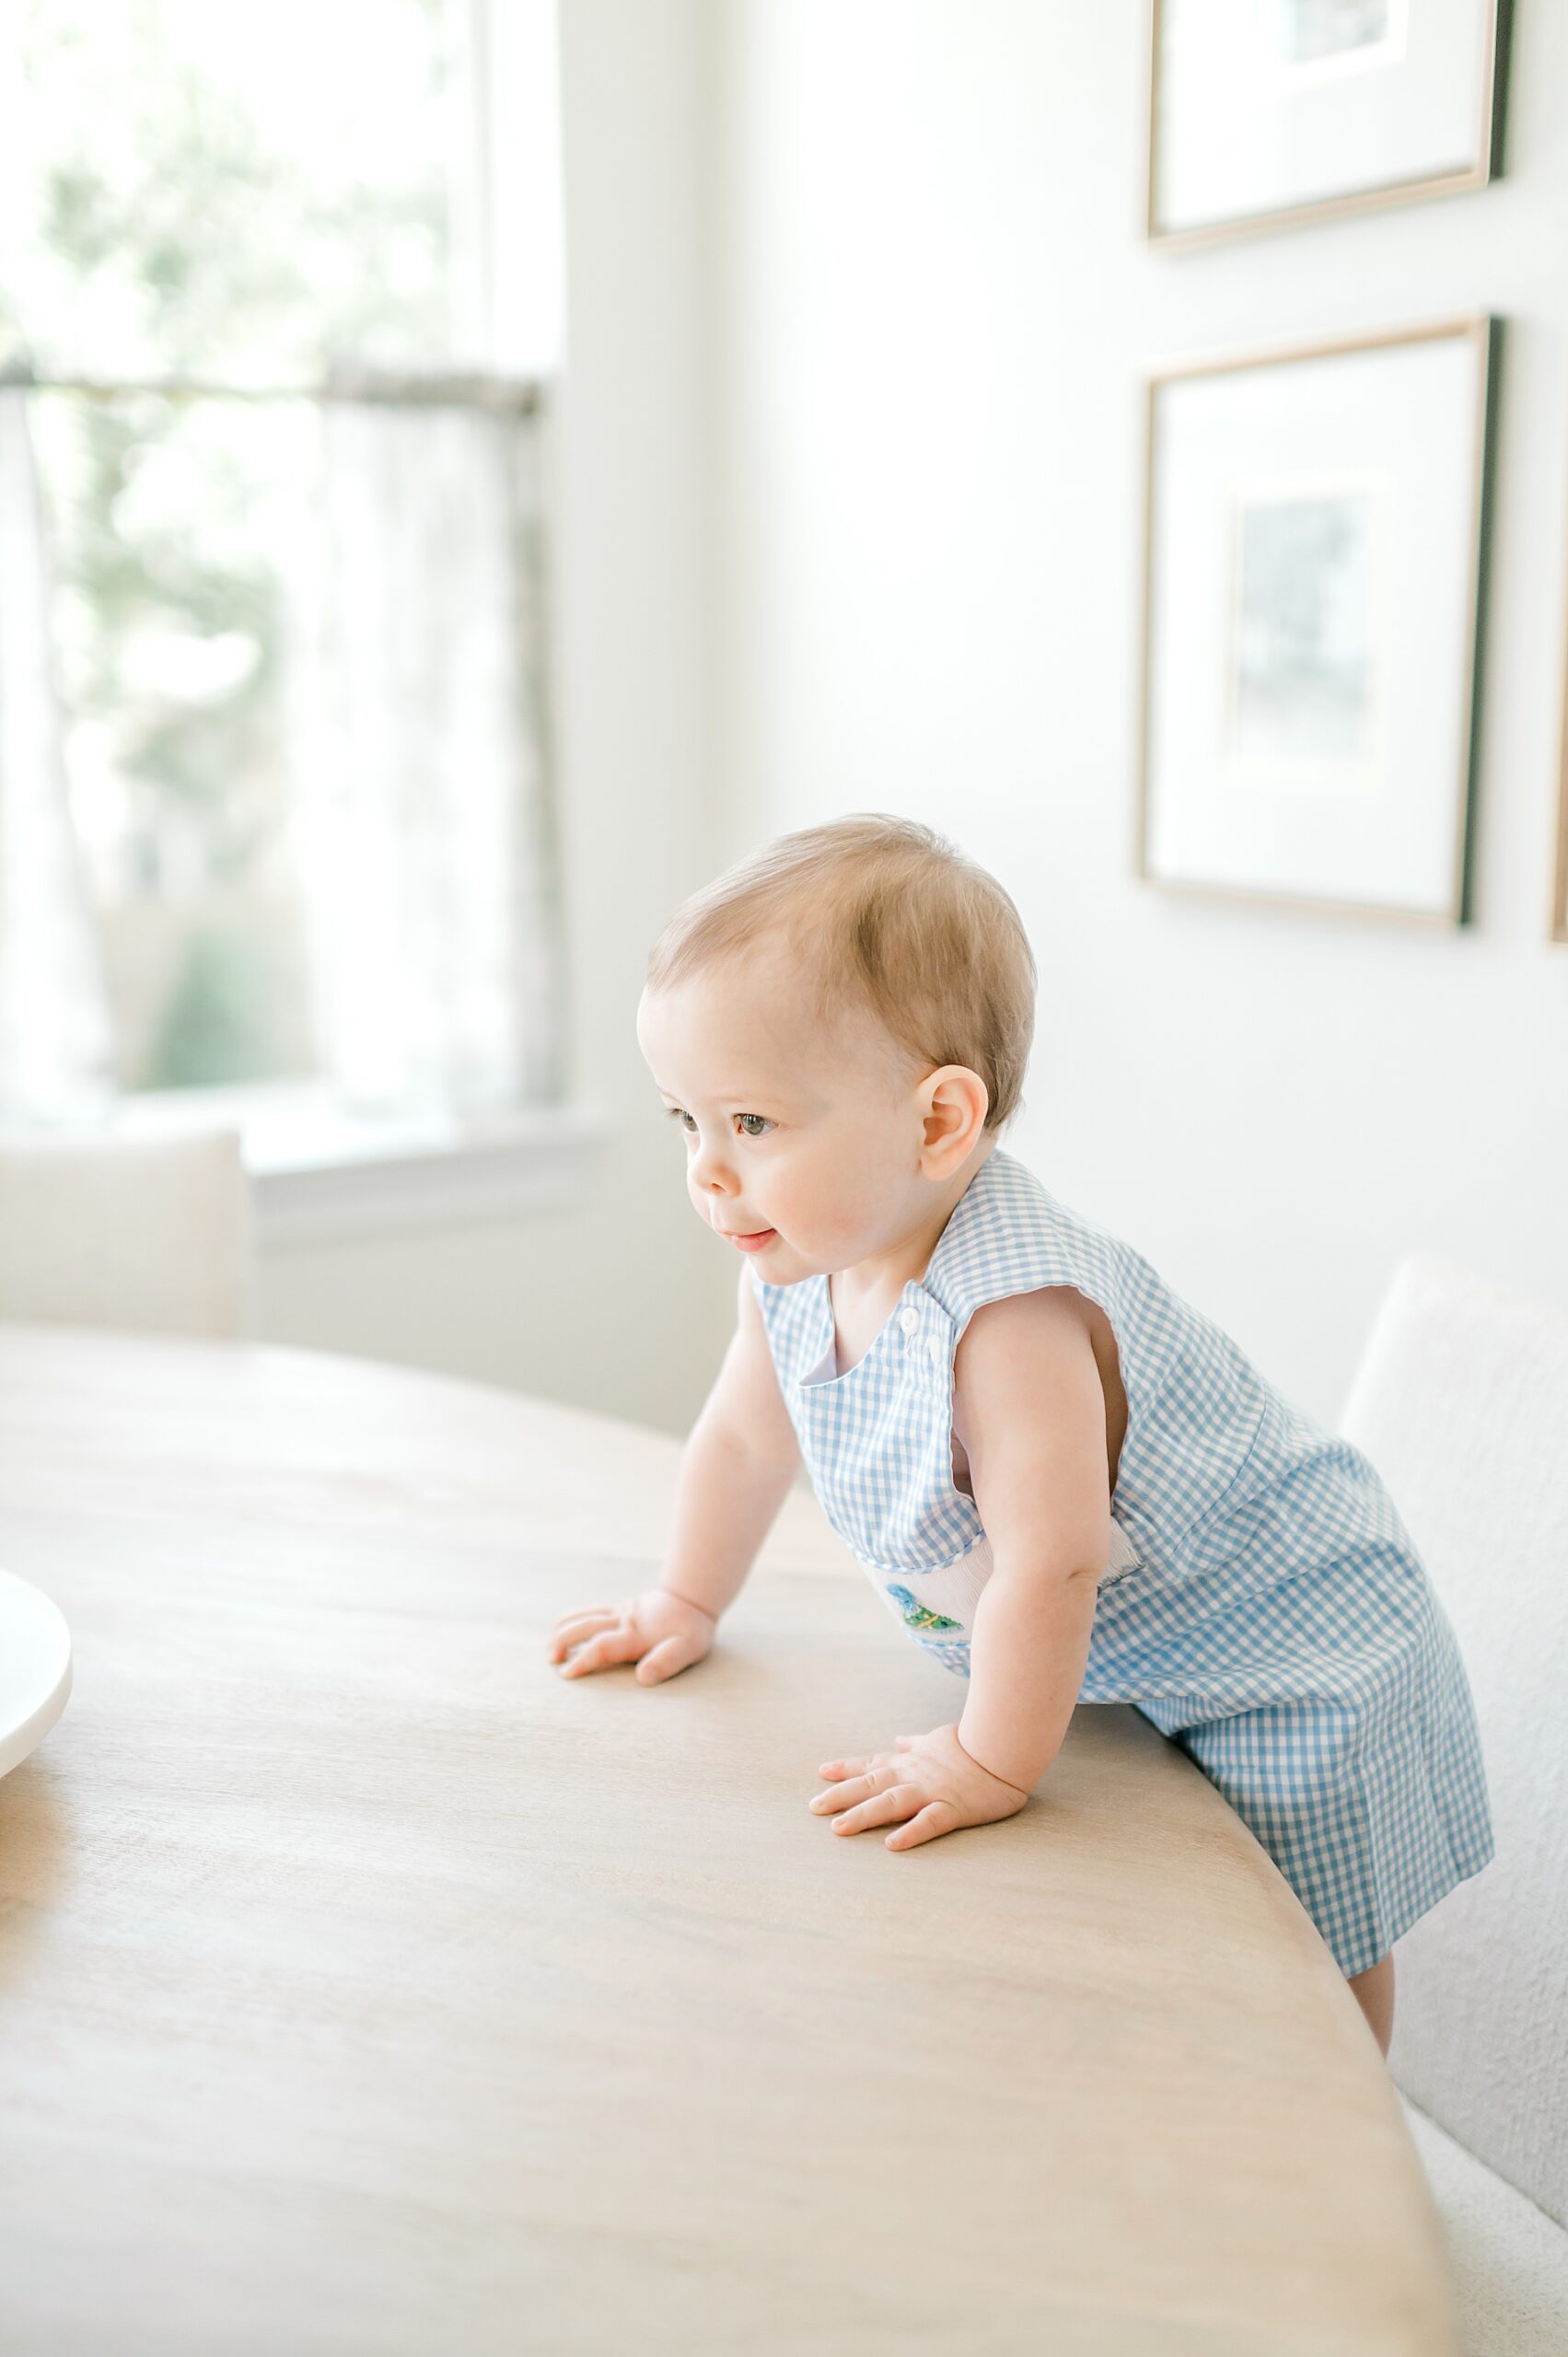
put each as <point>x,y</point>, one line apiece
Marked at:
<point>820,1143</point>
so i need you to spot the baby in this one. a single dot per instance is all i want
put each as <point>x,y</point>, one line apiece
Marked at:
<point>1065,1482</point>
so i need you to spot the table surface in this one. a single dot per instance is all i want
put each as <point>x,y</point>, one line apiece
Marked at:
<point>366,1987</point>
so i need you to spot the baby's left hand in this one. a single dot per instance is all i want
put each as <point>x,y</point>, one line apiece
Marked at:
<point>926,1785</point>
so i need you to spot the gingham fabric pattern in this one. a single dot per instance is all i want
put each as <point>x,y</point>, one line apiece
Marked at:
<point>1263,1605</point>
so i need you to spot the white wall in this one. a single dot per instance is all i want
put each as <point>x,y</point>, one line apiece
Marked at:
<point>936,308</point>
<point>619,1303</point>
<point>916,441</point>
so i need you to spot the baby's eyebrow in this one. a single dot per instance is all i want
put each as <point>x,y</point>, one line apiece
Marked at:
<point>720,1092</point>
<point>737,1097</point>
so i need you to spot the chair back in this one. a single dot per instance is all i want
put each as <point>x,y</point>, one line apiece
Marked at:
<point>151,1233</point>
<point>1461,1403</point>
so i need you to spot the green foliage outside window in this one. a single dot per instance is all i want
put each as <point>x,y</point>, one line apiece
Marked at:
<point>239,199</point>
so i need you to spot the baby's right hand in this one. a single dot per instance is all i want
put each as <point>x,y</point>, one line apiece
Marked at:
<point>660,1631</point>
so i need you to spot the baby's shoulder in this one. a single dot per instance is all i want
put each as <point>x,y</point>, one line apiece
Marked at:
<point>1040,1319</point>
<point>1023,1345</point>
<point>1029,1347</point>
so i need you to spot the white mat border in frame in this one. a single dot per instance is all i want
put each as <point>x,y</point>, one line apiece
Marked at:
<point>1478,335</point>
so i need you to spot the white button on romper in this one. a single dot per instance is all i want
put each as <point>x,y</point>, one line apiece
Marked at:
<point>1264,1606</point>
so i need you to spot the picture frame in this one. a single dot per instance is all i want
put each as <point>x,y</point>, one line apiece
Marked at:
<point>1267,113</point>
<point>1315,520</point>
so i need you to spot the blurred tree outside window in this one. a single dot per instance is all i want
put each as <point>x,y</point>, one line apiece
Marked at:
<point>288,548</point>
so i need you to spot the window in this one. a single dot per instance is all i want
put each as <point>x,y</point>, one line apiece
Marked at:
<point>279,313</point>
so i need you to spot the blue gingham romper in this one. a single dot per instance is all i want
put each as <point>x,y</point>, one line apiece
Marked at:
<point>1264,1606</point>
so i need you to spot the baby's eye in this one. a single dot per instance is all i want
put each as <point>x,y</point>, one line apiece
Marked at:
<point>678,1113</point>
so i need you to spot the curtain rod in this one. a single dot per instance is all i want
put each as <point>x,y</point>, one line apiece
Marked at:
<point>507,397</point>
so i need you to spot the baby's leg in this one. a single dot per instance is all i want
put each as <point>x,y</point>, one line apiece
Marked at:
<point>1374,1993</point>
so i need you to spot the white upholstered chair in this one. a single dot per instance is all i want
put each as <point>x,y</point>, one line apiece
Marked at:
<point>153,1233</point>
<point>1461,1403</point>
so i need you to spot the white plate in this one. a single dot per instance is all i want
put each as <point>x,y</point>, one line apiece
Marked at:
<point>35,1668</point>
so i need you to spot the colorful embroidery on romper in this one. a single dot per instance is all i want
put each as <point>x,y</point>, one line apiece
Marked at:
<point>920,1616</point>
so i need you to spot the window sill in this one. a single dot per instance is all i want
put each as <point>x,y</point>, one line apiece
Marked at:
<point>318,1173</point>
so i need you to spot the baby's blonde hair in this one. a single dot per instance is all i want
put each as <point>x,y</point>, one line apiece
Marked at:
<point>885,918</point>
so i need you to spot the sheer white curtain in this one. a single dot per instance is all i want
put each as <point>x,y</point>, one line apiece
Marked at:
<point>424,834</point>
<point>411,588</point>
<point>56,1040</point>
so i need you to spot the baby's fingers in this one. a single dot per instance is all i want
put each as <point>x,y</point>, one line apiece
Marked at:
<point>936,1816</point>
<point>573,1627</point>
<point>671,1654</point>
<point>611,1646</point>
<point>899,1800</point>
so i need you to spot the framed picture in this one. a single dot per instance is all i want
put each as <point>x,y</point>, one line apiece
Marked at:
<point>1265,112</point>
<point>1315,530</point>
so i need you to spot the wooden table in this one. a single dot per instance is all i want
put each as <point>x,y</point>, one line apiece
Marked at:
<point>366,1986</point>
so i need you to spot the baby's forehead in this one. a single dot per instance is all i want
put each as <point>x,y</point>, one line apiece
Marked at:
<point>742,1040</point>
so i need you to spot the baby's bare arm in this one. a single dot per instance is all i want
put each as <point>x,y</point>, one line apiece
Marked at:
<point>1035,1407</point>
<point>727,1501</point>
<point>1028,1653</point>
<point>736,1468</point>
